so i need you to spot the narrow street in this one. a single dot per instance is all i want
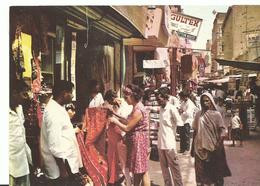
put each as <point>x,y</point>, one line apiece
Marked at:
<point>243,162</point>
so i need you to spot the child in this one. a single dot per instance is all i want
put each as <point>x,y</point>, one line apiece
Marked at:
<point>236,131</point>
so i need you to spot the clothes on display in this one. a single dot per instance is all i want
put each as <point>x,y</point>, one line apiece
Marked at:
<point>92,147</point>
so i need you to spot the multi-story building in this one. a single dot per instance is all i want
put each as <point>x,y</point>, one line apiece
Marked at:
<point>241,33</point>
<point>217,42</point>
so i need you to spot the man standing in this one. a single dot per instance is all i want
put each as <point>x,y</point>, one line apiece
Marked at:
<point>169,119</point>
<point>187,111</point>
<point>19,151</point>
<point>59,147</point>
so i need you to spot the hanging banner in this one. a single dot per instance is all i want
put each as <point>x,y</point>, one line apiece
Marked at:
<point>155,63</point>
<point>186,26</point>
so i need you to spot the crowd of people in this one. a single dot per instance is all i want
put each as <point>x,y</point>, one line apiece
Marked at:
<point>123,155</point>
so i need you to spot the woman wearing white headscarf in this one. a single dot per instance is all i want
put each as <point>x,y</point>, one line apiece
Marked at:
<point>209,131</point>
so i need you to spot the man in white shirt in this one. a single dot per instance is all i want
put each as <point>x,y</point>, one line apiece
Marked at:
<point>169,119</point>
<point>19,151</point>
<point>59,147</point>
<point>187,111</point>
<point>236,131</point>
<point>96,97</point>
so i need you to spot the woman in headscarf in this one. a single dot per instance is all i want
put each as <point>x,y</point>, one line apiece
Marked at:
<point>209,131</point>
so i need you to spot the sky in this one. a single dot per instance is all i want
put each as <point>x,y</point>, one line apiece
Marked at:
<point>205,13</point>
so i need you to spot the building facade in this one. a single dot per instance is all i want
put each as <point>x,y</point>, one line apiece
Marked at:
<point>217,43</point>
<point>241,33</point>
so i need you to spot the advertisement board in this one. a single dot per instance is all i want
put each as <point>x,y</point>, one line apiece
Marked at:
<point>186,26</point>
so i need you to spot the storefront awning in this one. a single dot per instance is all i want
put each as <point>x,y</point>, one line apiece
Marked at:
<point>107,19</point>
<point>246,65</point>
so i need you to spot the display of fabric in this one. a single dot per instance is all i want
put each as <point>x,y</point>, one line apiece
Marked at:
<point>92,147</point>
<point>32,130</point>
<point>36,75</point>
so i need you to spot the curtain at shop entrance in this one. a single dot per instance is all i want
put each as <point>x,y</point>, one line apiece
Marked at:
<point>96,59</point>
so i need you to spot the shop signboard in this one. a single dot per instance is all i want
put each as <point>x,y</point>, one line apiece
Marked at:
<point>253,40</point>
<point>186,26</point>
<point>155,63</point>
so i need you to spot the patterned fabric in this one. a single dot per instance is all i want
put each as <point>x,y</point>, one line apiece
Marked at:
<point>114,137</point>
<point>138,143</point>
<point>93,147</point>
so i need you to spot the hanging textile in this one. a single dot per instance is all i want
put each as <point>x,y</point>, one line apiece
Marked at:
<point>32,130</point>
<point>36,75</point>
<point>93,147</point>
<point>27,54</point>
<point>17,51</point>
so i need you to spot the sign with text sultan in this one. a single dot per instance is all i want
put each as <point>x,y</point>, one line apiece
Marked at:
<point>186,26</point>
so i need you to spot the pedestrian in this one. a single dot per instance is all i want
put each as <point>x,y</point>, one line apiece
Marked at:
<point>96,98</point>
<point>59,147</point>
<point>208,148</point>
<point>137,135</point>
<point>19,151</point>
<point>236,128</point>
<point>116,149</point>
<point>187,111</point>
<point>169,119</point>
<point>172,99</point>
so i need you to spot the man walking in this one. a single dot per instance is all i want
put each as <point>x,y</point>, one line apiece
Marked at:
<point>187,111</point>
<point>19,151</point>
<point>169,119</point>
<point>59,147</point>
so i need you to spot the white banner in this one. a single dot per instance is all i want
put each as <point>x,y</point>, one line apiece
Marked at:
<point>155,63</point>
<point>186,26</point>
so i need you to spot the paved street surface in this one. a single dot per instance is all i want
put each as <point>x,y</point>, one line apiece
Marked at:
<point>244,163</point>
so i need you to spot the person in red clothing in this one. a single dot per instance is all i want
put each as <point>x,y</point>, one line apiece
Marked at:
<point>115,143</point>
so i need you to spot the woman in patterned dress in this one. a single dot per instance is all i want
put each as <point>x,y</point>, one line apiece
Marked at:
<point>137,135</point>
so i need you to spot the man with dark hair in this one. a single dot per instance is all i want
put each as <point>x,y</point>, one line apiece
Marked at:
<point>169,119</point>
<point>59,147</point>
<point>187,111</point>
<point>19,151</point>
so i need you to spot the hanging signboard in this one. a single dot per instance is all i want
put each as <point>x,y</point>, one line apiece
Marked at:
<point>155,63</point>
<point>186,26</point>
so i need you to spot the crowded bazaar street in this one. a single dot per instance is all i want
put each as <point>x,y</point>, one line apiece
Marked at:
<point>243,162</point>
<point>133,95</point>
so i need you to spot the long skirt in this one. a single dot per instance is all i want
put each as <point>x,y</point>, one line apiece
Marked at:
<point>209,172</point>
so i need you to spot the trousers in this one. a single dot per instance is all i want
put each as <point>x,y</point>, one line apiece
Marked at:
<point>185,137</point>
<point>169,165</point>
